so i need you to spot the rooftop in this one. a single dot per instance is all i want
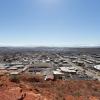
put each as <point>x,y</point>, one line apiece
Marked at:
<point>97,67</point>
<point>67,69</point>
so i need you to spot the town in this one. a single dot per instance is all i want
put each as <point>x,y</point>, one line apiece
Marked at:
<point>51,63</point>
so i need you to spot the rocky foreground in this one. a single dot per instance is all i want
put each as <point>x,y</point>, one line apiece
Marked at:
<point>26,87</point>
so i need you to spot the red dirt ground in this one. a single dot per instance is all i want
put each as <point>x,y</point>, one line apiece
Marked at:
<point>35,88</point>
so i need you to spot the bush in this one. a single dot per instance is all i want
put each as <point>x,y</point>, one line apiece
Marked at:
<point>14,78</point>
<point>77,94</point>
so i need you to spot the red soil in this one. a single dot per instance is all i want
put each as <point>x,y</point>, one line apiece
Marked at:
<point>36,88</point>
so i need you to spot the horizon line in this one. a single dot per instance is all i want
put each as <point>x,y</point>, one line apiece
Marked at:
<point>85,46</point>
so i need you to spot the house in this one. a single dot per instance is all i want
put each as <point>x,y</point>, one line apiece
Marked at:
<point>58,74</point>
<point>97,67</point>
<point>14,73</point>
<point>70,70</point>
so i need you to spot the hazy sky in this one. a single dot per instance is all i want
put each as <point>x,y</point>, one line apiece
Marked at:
<point>49,22</point>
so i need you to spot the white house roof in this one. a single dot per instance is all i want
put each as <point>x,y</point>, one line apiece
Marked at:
<point>14,73</point>
<point>67,69</point>
<point>12,68</point>
<point>97,67</point>
<point>58,72</point>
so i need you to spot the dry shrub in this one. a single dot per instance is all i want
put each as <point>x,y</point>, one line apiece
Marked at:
<point>14,78</point>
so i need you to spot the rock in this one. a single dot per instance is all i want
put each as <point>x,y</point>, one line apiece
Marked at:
<point>22,97</point>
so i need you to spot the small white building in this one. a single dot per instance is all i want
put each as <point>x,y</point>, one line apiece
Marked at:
<point>68,69</point>
<point>14,73</point>
<point>58,72</point>
<point>97,67</point>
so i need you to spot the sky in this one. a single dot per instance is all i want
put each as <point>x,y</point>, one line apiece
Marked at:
<point>50,23</point>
